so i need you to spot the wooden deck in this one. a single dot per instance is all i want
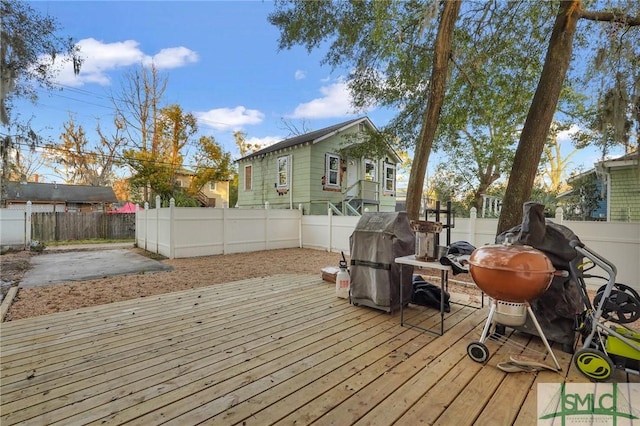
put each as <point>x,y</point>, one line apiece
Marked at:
<point>280,349</point>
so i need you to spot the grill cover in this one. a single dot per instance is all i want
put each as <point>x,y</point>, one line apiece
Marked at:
<point>380,237</point>
<point>556,309</point>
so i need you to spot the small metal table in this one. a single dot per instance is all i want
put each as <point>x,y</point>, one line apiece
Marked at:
<point>444,286</point>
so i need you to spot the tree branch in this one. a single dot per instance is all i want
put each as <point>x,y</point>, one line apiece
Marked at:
<point>629,20</point>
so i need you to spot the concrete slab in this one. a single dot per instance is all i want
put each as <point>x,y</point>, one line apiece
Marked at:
<point>54,268</point>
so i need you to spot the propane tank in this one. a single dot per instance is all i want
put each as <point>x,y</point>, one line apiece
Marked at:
<point>343,280</point>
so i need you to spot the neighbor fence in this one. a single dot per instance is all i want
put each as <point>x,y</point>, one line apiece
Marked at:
<point>61,226</point>
<point>20,227</point>
<point>178,232</point>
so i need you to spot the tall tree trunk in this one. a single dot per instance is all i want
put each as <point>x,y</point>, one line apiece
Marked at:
<point>437,87</point>
<point>538,122</point>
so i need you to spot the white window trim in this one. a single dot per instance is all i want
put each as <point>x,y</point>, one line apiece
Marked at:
<point>327,170</point>
<point>284,185</point>
<point>375,169</point>
<point>213,186</point>
<point>385,179</point>
<point>250,187</point>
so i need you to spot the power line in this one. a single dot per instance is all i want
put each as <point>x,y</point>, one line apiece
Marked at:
<point>89,93</point>
<point>26,147</point>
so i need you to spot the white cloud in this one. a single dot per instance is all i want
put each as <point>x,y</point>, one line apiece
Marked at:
<point>100,58</point>
<point>564,136</point>
<point>265,141</point>
<point>173,57</point>
<point>335,102</point>
<point>227,118</point>
<point>300,75</point>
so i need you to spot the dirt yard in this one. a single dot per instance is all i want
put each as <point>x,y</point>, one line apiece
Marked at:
<point>186,274</point>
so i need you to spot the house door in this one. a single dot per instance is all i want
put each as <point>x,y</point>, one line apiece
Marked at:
<point>353,175</point>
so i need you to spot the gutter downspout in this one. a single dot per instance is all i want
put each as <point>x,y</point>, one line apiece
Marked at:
<point>290,181</point>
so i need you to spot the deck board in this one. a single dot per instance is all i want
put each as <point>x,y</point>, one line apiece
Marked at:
<point>271,350</point>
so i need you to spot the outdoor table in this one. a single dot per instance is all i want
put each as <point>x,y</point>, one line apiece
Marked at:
<point>444,286</point>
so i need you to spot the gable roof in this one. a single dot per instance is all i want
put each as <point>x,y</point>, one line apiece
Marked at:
<point>311,137</point>
<point>55,192</point>
<point>624,161</point>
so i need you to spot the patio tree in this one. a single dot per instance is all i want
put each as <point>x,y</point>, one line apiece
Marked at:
<point>488,96</point>
<point>616,68</point>
<point>545,101</point>
<point>389,45</point>
<point>464,88</point>
<point>29,47</point>
<point>437,87</point>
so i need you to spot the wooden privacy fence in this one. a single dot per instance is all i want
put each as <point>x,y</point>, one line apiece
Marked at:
<point>61,226</point>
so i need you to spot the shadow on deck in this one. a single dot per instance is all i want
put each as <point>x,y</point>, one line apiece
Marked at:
<point>280,349</point>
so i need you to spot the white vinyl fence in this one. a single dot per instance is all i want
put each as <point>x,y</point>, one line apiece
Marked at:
<point>203,232</point>
<point>178,232</point>
<point>15,227</point>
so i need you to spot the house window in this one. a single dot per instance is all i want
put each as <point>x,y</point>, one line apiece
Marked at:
<point>332,170</point>
<point>213,186</point>
<point>389,179</point>
<point>283,172</point>
<point>178,183</point>
<point>370,170</point>
<point>248,177</point>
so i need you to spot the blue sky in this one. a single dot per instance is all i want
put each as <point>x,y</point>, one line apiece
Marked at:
<point>222,62</point>
<point>221,59</point>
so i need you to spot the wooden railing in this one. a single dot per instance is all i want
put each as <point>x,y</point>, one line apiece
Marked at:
<point>206,201</point>
<point>367,192</point>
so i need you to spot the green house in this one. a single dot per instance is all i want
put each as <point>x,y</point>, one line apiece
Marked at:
<point>309,170</point>
<point>622,177</point>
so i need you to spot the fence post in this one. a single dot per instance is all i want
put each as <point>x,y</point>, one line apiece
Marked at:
<point>172,242</point>
<point>330,213</point>
<point>146,224</point>
<point>135,226</point>
<point>157,224</point>
<point>224,231</point>
<point>27,225</point>
<point>559,215</point>
<point>472,226</point>
<point>266,225</point>
<point>103,222</point>
<point>300,226</point>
